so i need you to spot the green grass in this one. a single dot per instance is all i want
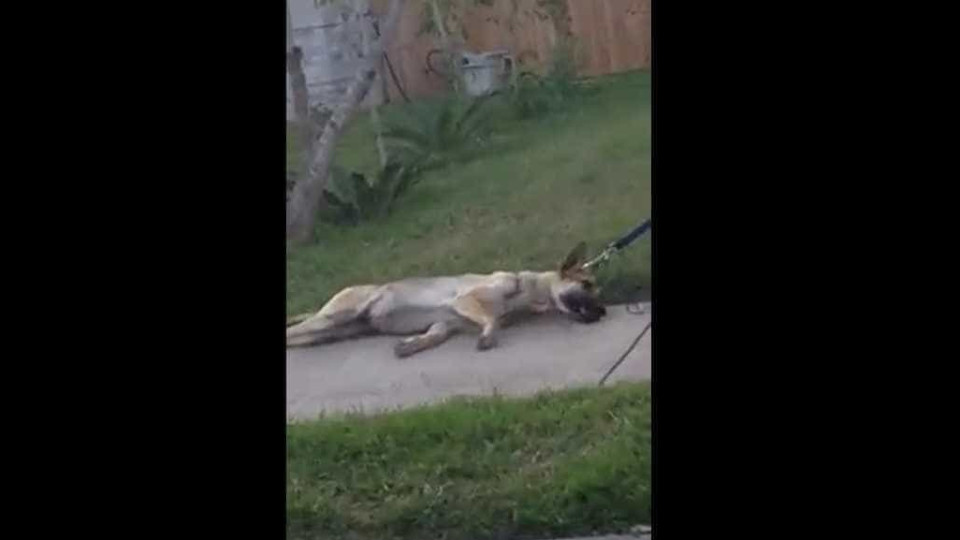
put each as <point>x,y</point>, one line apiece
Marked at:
<point>558,464</point>
<point>543,185</point>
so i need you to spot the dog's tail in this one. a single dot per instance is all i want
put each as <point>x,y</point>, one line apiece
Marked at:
<point>297,319</point>
<point>343,316</point>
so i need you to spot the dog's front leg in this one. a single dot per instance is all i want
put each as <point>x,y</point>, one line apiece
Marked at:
<point>473,309</point>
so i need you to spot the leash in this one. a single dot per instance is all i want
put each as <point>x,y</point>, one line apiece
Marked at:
<point>617,245</point>
<point>603,257</point>
<point>625,354</point>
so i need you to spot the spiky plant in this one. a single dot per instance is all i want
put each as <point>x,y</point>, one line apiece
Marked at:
<point>354,198</point>
<point>431,134</point>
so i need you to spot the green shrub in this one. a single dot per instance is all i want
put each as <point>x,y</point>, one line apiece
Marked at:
<point>532,94</point>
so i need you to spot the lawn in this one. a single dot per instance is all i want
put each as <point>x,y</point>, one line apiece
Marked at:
<point>582,173</point>
<point>557,464</point>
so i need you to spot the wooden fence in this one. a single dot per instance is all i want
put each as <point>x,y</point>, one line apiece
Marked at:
<point>609,35</point>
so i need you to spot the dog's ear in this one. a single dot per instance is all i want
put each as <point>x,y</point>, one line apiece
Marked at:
<point>574,259</point>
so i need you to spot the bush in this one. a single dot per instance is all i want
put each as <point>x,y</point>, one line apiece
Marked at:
<point>532,95</point>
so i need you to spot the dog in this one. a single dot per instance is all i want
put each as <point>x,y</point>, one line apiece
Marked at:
<point>430,310</point>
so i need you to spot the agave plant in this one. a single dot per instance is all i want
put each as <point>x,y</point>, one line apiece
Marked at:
<point>353,198</point>
<point>429,135</point>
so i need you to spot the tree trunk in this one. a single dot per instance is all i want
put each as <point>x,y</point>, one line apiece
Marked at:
<point>301,103</point>
<point>298,85</point>
<point>378,134</point>
<point>307,192</point>
<point>438,22</point>
<point>384,87</point>
<point>453,63</point>
<point>368,46</point>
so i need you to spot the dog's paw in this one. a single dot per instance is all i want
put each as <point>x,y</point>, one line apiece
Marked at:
<point>486,342</point>
<point>404,348</point>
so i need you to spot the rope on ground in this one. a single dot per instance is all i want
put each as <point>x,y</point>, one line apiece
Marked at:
<point>624,356</point>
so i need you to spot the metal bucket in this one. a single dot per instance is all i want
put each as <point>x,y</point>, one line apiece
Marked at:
<point>485,72</point>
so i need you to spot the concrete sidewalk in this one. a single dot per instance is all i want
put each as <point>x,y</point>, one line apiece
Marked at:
<point>548,351</point>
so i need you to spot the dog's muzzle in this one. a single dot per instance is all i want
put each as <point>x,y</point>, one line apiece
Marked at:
<point>583,307</point>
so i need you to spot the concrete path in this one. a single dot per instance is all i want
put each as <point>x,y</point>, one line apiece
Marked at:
<point>547,351</point>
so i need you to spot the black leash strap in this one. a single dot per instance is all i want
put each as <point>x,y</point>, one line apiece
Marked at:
<point>627,353</point>
<point>621,243</point>
<point>631,236</point>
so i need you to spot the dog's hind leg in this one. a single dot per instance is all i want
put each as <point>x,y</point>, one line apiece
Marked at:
<point>344,316</point>
<point>435,335</point>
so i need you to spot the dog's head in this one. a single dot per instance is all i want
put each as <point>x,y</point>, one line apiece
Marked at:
<point>575,293</point>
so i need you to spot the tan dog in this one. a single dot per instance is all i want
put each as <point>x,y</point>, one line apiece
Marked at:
<point>432,309</point>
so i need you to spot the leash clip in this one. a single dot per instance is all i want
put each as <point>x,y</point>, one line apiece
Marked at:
<point>601,258</point>
<point>616,246</point>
